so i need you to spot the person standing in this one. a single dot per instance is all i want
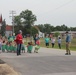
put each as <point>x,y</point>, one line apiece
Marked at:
<point>47,40</point>
<point>18,40</point>
<point>68,41</point>
<point>1,43</point>
<point>59,42</point>
<point>53,42</point>
<point>36,38</point>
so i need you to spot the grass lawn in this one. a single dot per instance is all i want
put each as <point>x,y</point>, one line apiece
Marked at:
<point>63,46</point>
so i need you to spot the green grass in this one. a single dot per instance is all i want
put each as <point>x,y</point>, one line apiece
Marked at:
<point>63,46</point>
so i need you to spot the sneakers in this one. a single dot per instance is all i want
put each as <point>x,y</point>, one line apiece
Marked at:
<point>67,53</point>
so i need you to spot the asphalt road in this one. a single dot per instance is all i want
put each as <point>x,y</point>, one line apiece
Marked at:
<point>46,62</point>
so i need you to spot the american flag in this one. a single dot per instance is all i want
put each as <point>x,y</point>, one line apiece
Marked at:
<point>0,21</point>
<point>1,18</point>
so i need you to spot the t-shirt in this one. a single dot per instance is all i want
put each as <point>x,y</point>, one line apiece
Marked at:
<point>59,41</point>
<point>10,38</point>
<point>47,40</point>
<point>68,38</point>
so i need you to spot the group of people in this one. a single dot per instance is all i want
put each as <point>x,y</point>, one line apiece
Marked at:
<point>7,44</point>
<point>68,41</point>
<point>12,43</point>
<point>52,39</point>
<point>30,45</point>
<point>16,44</point>
<point>19,42</point>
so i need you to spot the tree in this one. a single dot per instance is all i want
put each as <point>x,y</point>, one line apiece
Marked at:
<point>3,28</point>
<point>47,28</point>
<point>17,20</point>
<point>64,27</point>
<point>26,19</point>
<point>34,31</point>
<point>41,27</point>
<point>58,28</point>
<point>56,34</point>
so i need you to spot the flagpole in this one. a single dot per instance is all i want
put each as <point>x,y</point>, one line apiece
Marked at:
<point>0,21</point>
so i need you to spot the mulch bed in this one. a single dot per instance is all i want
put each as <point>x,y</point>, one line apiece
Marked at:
<point>6,70</point>
<point>2,62</point>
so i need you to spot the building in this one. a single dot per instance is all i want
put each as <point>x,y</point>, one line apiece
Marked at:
<point>8,30</point>
<point>63,33</point>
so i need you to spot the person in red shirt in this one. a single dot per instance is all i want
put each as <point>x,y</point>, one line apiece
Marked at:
<point>18,40</point>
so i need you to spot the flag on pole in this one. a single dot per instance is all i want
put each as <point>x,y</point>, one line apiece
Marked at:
<point>0,21</point>
<point>1,18</point>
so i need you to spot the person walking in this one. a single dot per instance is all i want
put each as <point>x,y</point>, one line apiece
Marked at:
<point>68,41</point>
<point>18,40</point>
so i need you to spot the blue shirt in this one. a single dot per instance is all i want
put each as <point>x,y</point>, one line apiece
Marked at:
<point>59,41</point>
<point>68,38</point>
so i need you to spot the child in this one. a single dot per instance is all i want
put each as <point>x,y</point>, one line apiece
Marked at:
<point>3,46</point>
<point>47,41</point>
<point>7,47</point>
<point>29,47</point>
<point>37,47</point>
<point>14,47</point>
<point>23,47</point>
<point>0,44</point>
<point>10,46</point>
<point>53,41</point>
<point>59,42</point>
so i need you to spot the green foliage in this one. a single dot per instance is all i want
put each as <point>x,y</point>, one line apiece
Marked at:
<point>25,21</point>
<point>3,28</point>
<point>47,28</point>
<point>56,34</point>
<point>17,20</point>
<point>17,28</point>
<point>34,31</point>
<point>28,17</point>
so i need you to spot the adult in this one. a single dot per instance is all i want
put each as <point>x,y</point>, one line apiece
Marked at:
<point>18,40</point>
<point>36,38</point>
<point>68,40</point>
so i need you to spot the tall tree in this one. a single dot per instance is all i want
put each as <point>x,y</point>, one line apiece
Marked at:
<point>47,28</point>
<point>28,18</point>
<point>17,21</point>
<point>3,27</point>
<point>25,19</point>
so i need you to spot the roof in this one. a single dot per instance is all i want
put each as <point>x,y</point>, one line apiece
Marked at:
<point>8,28</point>
<point>64,32</point>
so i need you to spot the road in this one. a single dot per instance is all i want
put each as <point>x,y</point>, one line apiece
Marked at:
<point>47,62</point>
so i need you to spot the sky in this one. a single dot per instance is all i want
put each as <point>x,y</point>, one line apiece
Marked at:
<point>54,12</point>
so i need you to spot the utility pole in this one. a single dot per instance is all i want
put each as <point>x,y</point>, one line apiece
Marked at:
<point>12,15</point>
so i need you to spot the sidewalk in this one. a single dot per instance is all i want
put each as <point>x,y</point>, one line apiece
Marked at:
<point>42,52</point>
<point>47,62</point>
